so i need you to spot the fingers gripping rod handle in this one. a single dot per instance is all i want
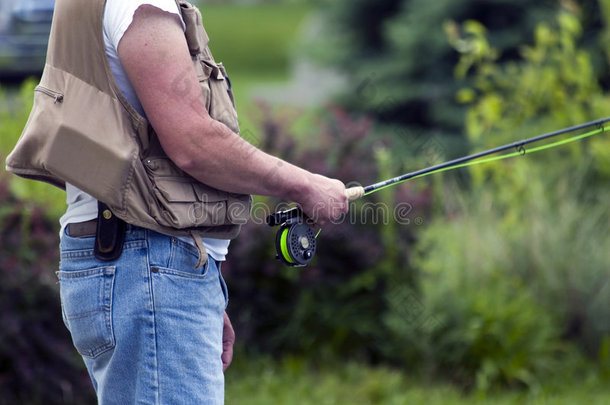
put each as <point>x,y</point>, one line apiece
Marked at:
<point>354,193</point>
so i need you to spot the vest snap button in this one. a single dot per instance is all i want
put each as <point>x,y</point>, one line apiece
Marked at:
<point>107,214</point>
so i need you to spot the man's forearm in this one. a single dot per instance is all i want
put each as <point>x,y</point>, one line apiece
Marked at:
<point>216,156</point>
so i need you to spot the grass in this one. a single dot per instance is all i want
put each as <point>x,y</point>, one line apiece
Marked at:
<point>256,43</point>
<point>294,382</point>
<point>254,40</point>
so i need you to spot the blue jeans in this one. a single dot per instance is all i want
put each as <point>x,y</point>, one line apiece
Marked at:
<point>149,325</point>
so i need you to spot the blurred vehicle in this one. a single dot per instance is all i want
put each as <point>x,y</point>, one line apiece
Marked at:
<point>24,35</point>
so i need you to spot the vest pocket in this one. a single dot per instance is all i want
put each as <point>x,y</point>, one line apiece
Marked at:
<point>204,71</point>
<point>182,201</point>
<point>80,135</point>
<point>58,97</point>
<point>223,70</point>
<point>218,94</point>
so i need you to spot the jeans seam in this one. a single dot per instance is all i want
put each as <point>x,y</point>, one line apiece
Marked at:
<point>149,275</point>
<point>224,288</point>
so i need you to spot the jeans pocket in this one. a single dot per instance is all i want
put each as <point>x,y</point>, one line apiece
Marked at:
<point>223,285</point>
<point>86,301</point>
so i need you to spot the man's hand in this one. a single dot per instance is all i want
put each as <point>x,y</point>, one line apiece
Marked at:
<point>228,339</point>
<point>323,200</point>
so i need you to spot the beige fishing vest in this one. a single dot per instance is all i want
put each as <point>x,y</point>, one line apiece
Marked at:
<point>82,130</point>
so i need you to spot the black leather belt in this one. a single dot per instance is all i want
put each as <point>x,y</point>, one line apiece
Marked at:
<point>82,229</point>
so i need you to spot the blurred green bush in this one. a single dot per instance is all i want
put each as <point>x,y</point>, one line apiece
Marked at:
<point>512,273</point>
<point>38,364</point>
<point>400,63</point>
<point>517,268</point>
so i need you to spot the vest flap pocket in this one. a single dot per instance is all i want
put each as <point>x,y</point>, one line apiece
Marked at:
<point>220,101</point>
<point>181,200</point>
<point>84,146</point>
<point>163,167</point>
<point>177,186</point>
<point>174,190</point>
<point>203,70</point>
<point>208,194</point>
<point>215,71</point>
<point>238,210</point>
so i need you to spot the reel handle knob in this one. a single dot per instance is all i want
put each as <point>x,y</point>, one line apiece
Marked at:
<point>354,193</point>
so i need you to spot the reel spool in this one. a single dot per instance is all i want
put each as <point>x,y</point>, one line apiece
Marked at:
<point>295,241</point>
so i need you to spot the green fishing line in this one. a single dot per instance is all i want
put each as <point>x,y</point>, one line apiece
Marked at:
<point>520,152</point>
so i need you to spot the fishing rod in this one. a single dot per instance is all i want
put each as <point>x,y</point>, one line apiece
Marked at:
<point>296,241</point>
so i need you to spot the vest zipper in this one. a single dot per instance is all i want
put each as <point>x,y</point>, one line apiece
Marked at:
<point>57,96</point>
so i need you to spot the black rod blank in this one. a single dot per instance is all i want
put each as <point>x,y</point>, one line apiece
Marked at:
<point>515,145</point>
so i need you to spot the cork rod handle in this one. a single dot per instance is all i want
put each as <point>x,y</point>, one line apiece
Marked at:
<point>354,193</point>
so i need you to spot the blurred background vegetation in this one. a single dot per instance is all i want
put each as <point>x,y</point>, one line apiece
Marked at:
<point>494,286</point>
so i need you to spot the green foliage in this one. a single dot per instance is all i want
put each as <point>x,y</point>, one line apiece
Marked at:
<point>517,269</point>
<point>604,358</point>
<point>553,82</point>
<point>38,364</point>
<point>491,324</point>
<point>501,285</point>
<point>494,297</point>
<point>552,86</point>
<point>605,36</point>
<point>400,62</point>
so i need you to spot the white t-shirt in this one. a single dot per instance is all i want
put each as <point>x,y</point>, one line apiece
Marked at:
<point>118,15</point>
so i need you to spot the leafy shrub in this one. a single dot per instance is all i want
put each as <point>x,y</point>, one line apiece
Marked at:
<point>566,256</point>
<point>516,271</point>
<point>38,363</point>
<point>484,301</point>
<point>490,327</point>
<point>566,241</point>
<point>509,297</point>
<point>400,64</point>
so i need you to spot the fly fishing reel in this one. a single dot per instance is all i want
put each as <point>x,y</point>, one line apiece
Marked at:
<point>295,241</point>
